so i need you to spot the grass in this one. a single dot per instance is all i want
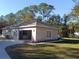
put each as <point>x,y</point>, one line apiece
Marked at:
<point>65,49</point>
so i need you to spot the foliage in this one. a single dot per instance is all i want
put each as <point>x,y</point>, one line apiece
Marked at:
<point>38,12</point>
<point>45,9</point>
<point>23,15</point>
<point>32,12</point>
<point>73,19</point>
<point>11,18</point>
<point>54,19</point>
<point>3,22</point>
<point>75,10</point>
<point>65,30</point>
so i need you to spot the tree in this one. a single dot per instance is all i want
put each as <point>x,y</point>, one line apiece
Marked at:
<point>11,18</point>
<point>73,18</point>
<point>45,9</point>
<point>75,11</point>
<point>65,30</point>
<point>3,23</point>
<point>72,28</point>
<point>42,10</point>
<point>54,19</point>
<point>39,18</point>
<point>24,15</point>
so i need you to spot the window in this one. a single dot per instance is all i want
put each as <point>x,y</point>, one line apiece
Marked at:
<point>48,34</point>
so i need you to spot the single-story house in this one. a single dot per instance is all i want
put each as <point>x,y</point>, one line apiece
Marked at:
<point>31,30</point>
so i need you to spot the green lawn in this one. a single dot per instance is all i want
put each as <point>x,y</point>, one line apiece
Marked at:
<point>65,49</point>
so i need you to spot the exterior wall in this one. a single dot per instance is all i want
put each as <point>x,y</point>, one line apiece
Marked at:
<point>4,32</point>
<point>33,32</point>
<point>39,32</point>
<point>7,32</point>
<point>42,34</point>
<point>55,34</point>
<point>13,33</point>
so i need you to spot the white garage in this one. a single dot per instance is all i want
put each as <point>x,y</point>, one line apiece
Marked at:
<point>32,30</point>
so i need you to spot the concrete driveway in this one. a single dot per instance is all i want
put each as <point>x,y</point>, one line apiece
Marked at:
<point>3,45</point>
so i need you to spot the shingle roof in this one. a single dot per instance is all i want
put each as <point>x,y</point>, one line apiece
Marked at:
<point>25,23</point>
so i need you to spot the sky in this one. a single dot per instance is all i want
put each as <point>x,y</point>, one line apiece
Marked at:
<point>61,6</point>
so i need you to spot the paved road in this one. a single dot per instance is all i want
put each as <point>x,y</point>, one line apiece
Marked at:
<point>3,45</point>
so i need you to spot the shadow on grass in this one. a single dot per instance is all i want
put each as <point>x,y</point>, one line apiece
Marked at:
<point>73,52</point>
<point>43,51</point>
<point>68,41</point>
<point>35,52</point>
